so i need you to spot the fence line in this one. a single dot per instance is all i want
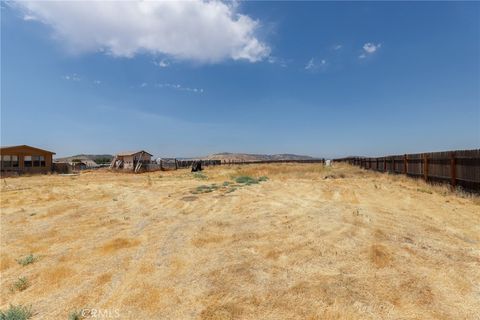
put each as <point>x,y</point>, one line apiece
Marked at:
<point>238,162</point>
<point>176,163</point>
<point>460,168</point>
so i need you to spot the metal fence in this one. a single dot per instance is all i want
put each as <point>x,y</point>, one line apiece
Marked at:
<point>460,168</point>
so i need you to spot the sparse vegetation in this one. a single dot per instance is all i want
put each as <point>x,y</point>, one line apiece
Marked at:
<point>205,189</point>
<point>424,190</point>
<point>335,176</point>
<point>75,315</point>
<point>228,186</point>
<point>17,312</point>
<point>27,260</point>
<point>21,284</point>
<point>200,176</point>
<point>246,180</point>
<point>230,190</point>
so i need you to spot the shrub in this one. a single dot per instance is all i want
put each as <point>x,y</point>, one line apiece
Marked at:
<point>27,260</point>
<point>205,188</point>
<point>246,180</point>
<point>424,190</point>
<point>199,175</point>
<point>230,190</point>
<point>16,313</point>
<point>75,315</point>
<point>21,284</point>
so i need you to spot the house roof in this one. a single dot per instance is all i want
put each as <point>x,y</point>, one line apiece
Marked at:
<point>131,153</point>
<point>24,146</point>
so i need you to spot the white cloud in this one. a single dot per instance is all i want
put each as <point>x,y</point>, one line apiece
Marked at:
<point>276,60</point>
<point>179,87</point>
<point>201,31</point>
<point>368,49</point>
<point>163,63</point>
<point>71,77</point>
<point>97,82</point>
<point>143,85</point>
<point>310,64</point>
<point>337,47</point>
<point>28,17</point>
<point>314,66</point>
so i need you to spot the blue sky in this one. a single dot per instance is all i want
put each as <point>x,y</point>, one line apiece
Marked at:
<point>190,79</point>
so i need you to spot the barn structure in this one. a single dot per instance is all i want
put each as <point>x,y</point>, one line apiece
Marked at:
<point>25,159</point>
<point>131,160</point>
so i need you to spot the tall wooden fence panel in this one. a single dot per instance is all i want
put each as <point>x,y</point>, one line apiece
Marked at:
<point>460,168</point>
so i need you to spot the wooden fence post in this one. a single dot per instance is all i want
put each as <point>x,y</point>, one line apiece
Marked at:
<point>453,170</point>
<point>161,168</point>
<point>425,167</point>
<point>384,164</point>
<point>405,164</point>
<point>176,164</point>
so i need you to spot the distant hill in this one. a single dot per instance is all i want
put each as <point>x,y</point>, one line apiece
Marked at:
<point>256,157</point>
<point>98,158</point>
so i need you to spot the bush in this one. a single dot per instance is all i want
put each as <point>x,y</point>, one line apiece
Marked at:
<point>200,176</point>
<point>27,260</point>
<point>230,190</point>
<point>21,284</point>
<point>75,315</point>
<point>16,313</point>
<point>205,189</point>
<point>246,180</point>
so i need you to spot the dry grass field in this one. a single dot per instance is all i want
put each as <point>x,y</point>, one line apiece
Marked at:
<point>307,243</point>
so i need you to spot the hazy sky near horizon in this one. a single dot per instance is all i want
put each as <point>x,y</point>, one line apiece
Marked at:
<point>193,78</point>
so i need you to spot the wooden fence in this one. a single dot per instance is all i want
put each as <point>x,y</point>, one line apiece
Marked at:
<point>172,163</point>
<point>459,168</point>
<point>235,162</point>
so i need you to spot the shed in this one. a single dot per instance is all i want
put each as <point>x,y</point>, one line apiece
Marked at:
<point>131,160</point>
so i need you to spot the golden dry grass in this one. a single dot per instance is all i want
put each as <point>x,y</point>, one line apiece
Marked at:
<point>309,243</point>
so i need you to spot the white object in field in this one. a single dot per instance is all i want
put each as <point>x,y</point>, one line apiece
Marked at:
<point>328,163</point>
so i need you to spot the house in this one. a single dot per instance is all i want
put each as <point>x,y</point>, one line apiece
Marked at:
<point>25,159</point>
<point>131,160</point>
